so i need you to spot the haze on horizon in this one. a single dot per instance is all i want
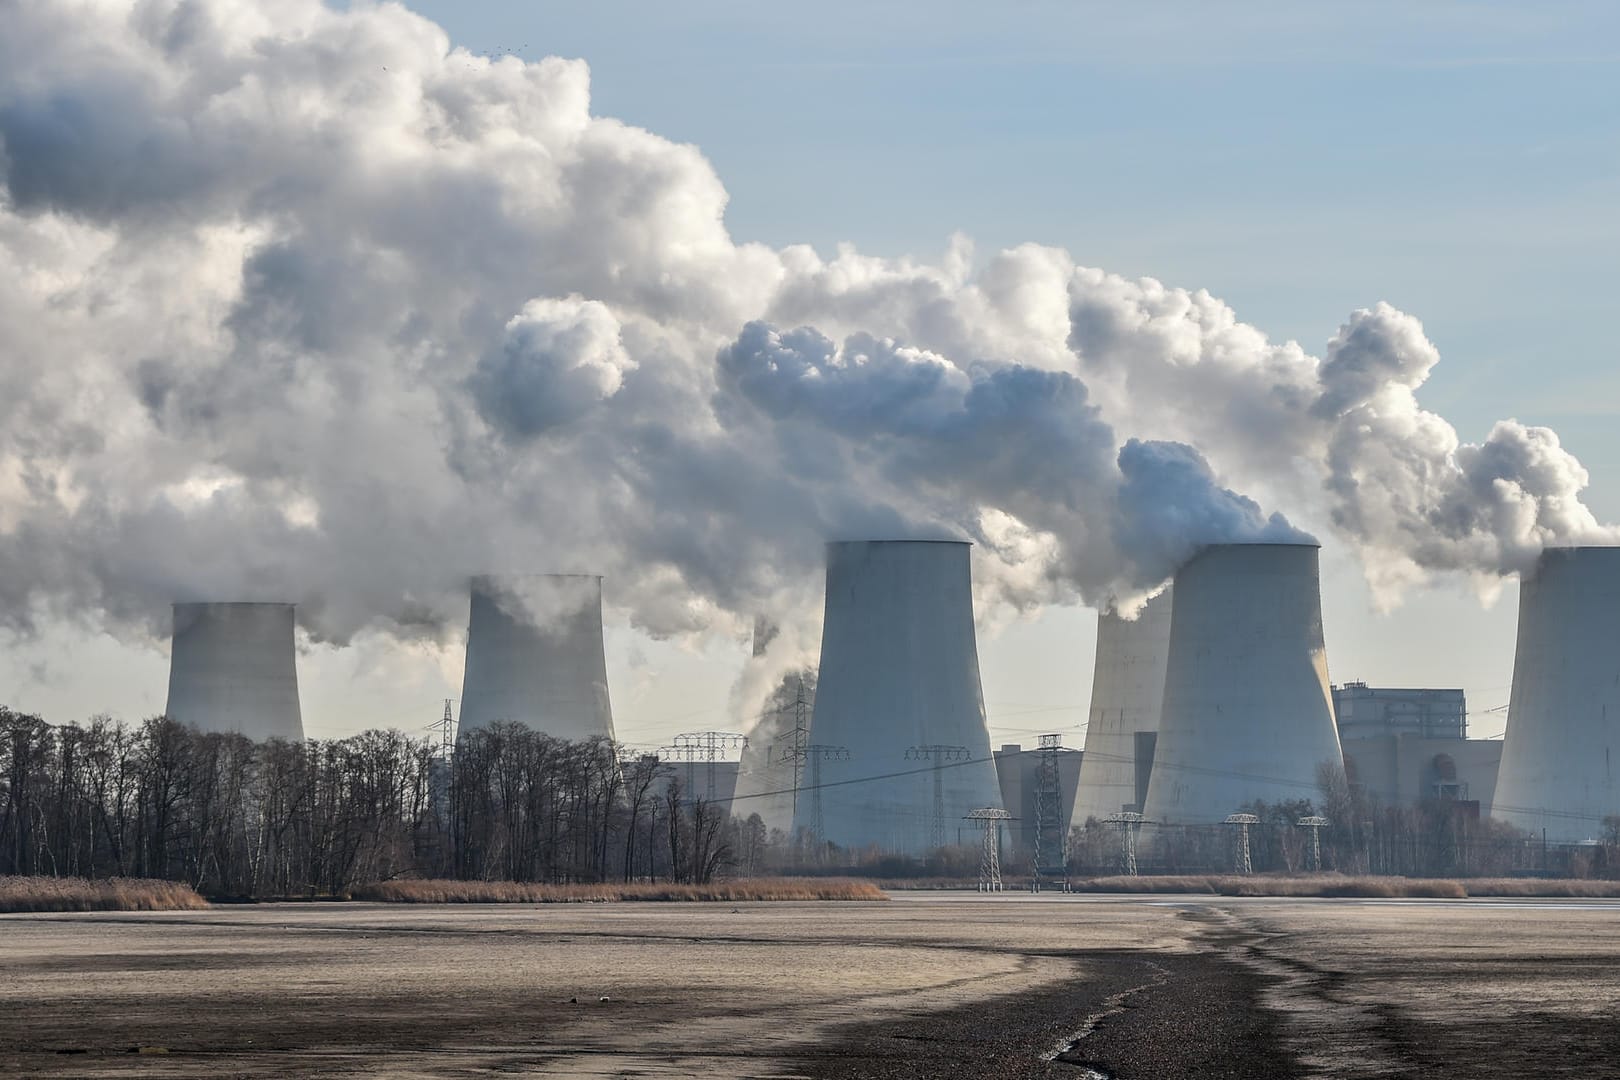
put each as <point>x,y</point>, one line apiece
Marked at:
<point>300,299</point>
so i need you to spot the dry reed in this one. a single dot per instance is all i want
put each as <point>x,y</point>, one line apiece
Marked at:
<point>1343,885</point>
<point>440,891</point>
<point>110,894</point>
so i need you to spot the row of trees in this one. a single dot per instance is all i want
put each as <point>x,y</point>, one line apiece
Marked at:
<point>239,818</point>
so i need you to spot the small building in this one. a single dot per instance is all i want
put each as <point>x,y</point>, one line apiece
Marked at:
<point>1370,712</point>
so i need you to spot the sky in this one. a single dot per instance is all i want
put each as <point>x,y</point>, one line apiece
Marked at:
<point>1458,161</point>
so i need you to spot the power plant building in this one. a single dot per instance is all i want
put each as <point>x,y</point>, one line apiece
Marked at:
<point>1366,712</point>
<point>1127,693</point>
<point>899,713</point>
<point>1247,713</point>
<point>1406,745</point>
<point>535,656</point>
<point>233,668</point>
<point>1561,755</point>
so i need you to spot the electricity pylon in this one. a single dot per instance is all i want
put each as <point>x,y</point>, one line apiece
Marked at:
<point>989,819</point>
<point>938,754</point>
<point>1240,857</point>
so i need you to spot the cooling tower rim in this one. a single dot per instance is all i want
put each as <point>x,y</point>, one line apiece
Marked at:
<point>529,575</point>
<point>896,540</point>
<point>178,604</point>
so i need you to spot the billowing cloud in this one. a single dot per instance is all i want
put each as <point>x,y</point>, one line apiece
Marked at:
<point>307,303</point>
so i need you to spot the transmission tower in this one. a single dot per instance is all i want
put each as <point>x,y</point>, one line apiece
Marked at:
<point>446,727</point>
<point>439,768</point>
<point>797,737</point>
<point>989,819</point>
<point>1128,822</point>
<point>707,747</point>
<point>817,753</point>
<point>938,754</point>
<point>1315,823</point>
<point>1051,860</point>
<point>1240,857</point>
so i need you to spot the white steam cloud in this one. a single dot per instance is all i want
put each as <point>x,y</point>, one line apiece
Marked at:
<point>307,304</point>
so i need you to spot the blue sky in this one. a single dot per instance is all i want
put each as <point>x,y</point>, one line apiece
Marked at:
<point>1457,160</point>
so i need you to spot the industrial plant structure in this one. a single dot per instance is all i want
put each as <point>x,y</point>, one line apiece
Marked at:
<point>535,656</point>
<point>1405,745</point>
<point>771,773</point>
<point>233,669</point>
<point>899,753</point>
<point>1247,712</point>
<point>1561,756</point>
<point>1127,692</point>
<point>1021,775</point>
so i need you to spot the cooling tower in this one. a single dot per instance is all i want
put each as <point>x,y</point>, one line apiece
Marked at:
<point>1127,690</point>
<point>232,669</point>
<point>1561,756</point>
<point>1247,712</point>
<point>535,656</point>
<point>899,675</point>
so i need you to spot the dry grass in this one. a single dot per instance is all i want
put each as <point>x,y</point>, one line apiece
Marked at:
<point>1342,885</point>
<point>1560,887</point>
<point>1264,885</point>
<point>440,891</point>
<point>81,894</point>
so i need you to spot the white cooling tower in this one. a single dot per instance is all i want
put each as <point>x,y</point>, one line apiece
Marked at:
<point>535,656</point>
<point>1247,713</point>
<point>899,675</point>
<point>1561,757</point>
<point>233,669</point>
<point>1127,690</point>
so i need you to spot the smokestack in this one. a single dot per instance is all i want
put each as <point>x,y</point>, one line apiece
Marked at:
<point>535,655</point>
<point>233,669</point>
<point>1247,713</point>
<point>899,673</point>
<point>1127,691</point>
<point>1561,756</point>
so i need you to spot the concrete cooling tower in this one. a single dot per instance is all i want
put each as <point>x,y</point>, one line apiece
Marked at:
<point>1247,713</point>
<point>898,703</point>
<point>233,669</point>
<point>1127,690</point>
<point>1561,757</point>
<point>535,656</point>
<point>772,769</point>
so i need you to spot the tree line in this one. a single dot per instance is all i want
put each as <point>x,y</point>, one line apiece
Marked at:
<point>234,817</point>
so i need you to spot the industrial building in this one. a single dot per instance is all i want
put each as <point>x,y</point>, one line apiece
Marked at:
<point>535,656</point>
<point>1403,745</point>
<point>1561,755</point>
<point>1127,693</point>
<point>1247,712</point>
<point>1364,712</point>
<point>1022,775</point>
<point>898,753</point>
<point>233,668</point>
